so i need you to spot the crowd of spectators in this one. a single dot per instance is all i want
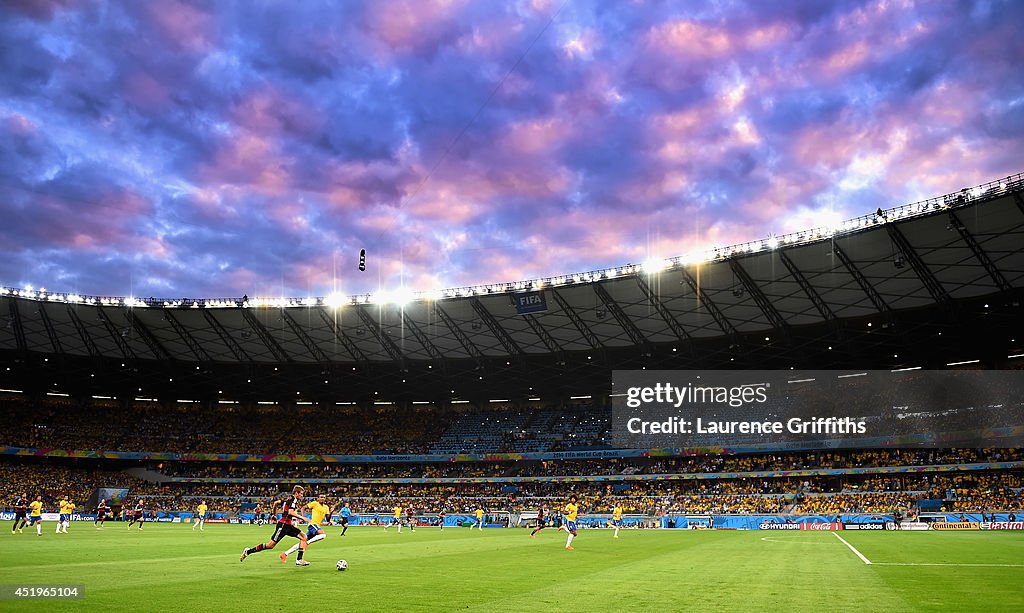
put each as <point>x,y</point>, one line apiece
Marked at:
<point>198,428</point>
<point>306,470</point>
<point>53,482</point>
<point>958,491</point>
<point>715,464</point>
<point>835,504</point>
<point>63,423</point>
<point>201,428</point>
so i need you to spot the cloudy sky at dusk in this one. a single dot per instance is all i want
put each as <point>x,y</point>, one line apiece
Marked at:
<point>179,148</point>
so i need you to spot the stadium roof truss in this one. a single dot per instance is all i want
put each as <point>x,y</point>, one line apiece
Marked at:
<point>895,284</point>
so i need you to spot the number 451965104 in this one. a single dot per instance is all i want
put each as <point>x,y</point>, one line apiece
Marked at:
<point>57,591</point>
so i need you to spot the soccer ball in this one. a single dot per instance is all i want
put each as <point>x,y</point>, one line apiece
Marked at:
<point>342,565</point>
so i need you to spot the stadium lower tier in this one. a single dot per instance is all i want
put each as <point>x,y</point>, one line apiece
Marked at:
<point>626,467</point>
<point>949,487</point>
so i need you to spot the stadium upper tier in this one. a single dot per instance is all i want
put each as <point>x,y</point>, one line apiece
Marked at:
<point>876,291</point>
<point>532,431</point>
<point>193,428</point>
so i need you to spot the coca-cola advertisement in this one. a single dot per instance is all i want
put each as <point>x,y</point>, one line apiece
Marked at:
<point>827,526</point>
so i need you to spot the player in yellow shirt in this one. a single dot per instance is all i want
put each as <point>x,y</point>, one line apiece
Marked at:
<point>571,512</point>
<point>479,519</point>
<point>616,520</point>
<point>66,509</point>
<point>60,507</point>
<point>314,532</point>
<point>200,516</point>
<point>35,515</point>
<point>397,520</point>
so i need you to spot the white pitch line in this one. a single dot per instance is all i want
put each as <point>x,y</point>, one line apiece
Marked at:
<point>803,541</point>
<point>852,548</point>
<point>945,564</point>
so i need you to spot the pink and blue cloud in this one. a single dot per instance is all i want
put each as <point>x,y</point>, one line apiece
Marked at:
<point>186,148</point>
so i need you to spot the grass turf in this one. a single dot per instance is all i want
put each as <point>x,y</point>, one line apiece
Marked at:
<point>168,567</point>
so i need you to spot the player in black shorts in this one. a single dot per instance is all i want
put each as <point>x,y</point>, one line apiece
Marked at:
<point>540,522</point>
<point>285,527</point>
<point>20,512</point>
<point>410,518</point>
<point>139,515</point>
<point>101,513</point>
<point>440,516</point>
<point>343,514</point>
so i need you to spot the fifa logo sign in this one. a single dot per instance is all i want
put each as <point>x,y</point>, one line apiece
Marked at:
<point>529,302</point>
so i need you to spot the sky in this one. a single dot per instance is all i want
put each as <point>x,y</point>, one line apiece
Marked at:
<point>214,149</point>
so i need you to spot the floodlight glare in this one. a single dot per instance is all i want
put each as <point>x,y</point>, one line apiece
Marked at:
<point>402,296</point>
<point>654,265</point>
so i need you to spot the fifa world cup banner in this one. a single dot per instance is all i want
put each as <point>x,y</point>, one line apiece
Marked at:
<point>113,495</point>
<point>817,409</point>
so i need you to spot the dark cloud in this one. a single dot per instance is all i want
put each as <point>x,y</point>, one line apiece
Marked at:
<point>27,65</point>
<point>38,10</point>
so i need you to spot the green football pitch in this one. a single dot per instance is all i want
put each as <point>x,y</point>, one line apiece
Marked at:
<point>168,567</point>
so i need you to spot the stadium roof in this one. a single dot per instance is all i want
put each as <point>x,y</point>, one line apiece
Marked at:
<point>922,285</point>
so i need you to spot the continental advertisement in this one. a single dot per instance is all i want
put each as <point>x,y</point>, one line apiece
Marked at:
<point>955,525</point>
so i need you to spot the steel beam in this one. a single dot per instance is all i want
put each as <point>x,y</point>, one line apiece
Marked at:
<point>670,319</point>
<point>993,271</point>
<point>346,342</point>
<point>709,304</point>
<point>197,349</point>
<point>574,317</point>
<point>378,331</point>
<point>116,334</point>
<point>467,344</point>
<point>938,293</point>
<point>770,312</point>
<point>620,316</point>
<point>261,331</point>
<point>240,354</point>
<point>868,289</point>
<point>307,341</point>
<point>506,340</point>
